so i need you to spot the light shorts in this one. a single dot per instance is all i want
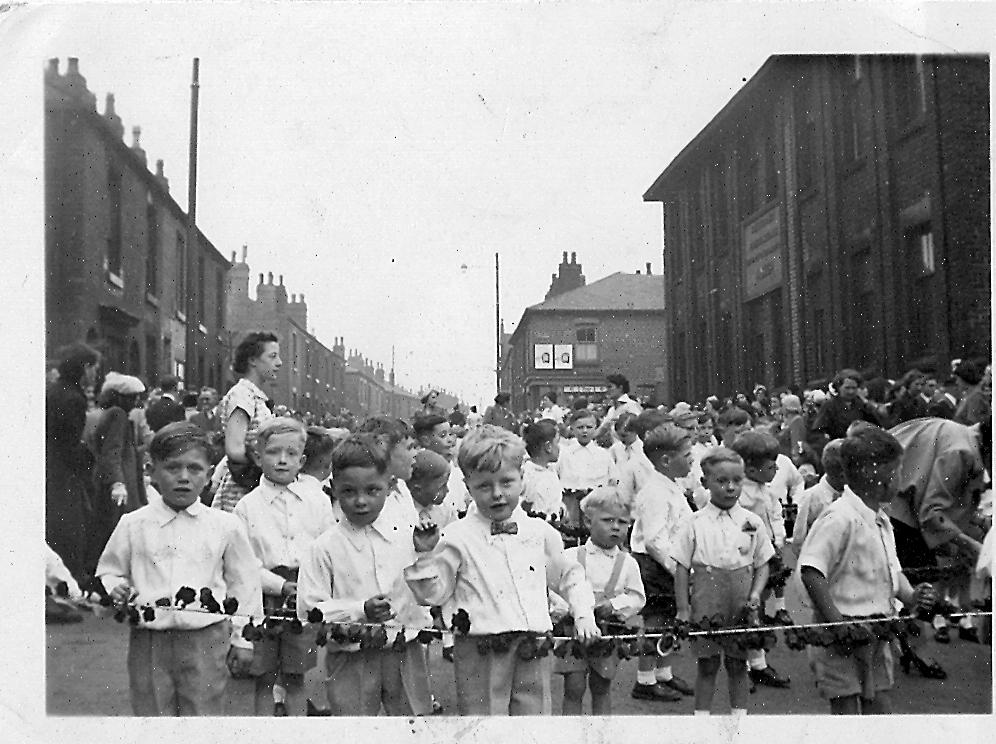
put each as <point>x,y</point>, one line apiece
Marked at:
<point>868,670</point>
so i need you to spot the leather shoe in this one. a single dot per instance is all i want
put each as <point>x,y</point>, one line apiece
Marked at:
<point>942,635</point>
<point>655,692</point>
<point>279,709</point>
<point>677,683</point>
<point>968,634</point>
<point>768,677</point>
<point>783,618</point>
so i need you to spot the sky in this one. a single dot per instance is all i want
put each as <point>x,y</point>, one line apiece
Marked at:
<point>377,155</point>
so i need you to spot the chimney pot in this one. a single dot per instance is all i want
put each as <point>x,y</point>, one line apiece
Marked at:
<point>53,66</point>
<point>109,105</point>
<point>159,168</point>
<point>638,272</point>
<point>564,260</point>
<point>260,278</point>
<point>281,280</point>
<point>269,277</point>
<point>245,252</point>
<point>136,135</point>
<point>233,256</point>
<point>302,298</point>
<point>74,66</point>
<point>293,298</point>
<point>574,257</point>
<point>648,269</point>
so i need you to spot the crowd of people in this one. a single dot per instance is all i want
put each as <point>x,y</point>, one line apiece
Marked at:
<point>493,531</point>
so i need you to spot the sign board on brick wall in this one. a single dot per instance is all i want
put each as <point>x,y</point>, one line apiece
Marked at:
<point>586,388</point>
<point>762,258</point>
<point>544,356</point>
<point>563,356</point>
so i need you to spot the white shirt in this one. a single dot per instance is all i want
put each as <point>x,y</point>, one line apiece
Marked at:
<point>582,468</point>
<point>629,596</point>
<point>658,511</point>
<point>347,565</point>
<point>457,495</point>
<point>282,522</point>
<point>158,551</point>
<point>541,488</point>
<point>634,475</point>
<point>500,580</point>
<point>622,404</point>
<point>553,413</point>
<point>621,454</point>
<point>724,539</point>
<point>760,499</point>
<point>811,504</point>
<point>854,548</point>
<point>788,481</point>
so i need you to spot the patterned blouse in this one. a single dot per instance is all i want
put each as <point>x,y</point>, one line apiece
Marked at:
<point>247,396</point>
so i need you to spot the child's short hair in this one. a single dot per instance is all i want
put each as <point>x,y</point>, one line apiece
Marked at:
<point>582,413</point>
<point>488,448</point>
<point>604,498</point>
<point>718,455</point>
<point>394,429</point>
<point>359,451</point>
<point>664,440</point>
<point>424,423</point>
<point>733,416</point>
<point>756,447</point>
<point>538,434</point>
<point>846,374</point>
<point>428,467</point>
<point>279,425</point>
<point>176,438</point>
<point>868,446</point>
<point>649,420</point>
<point>831,455</point>
<point>625,423</point>
<point>857,425</point>
<point>319,443</point>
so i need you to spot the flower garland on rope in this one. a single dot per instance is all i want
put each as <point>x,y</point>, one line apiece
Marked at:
<point>846,635</point>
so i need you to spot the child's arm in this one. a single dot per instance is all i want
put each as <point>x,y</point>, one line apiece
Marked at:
<point>314,589</point>
<point>567,578</point>
<point>819,592</point>
<point>114,566</point>
<point>681,591</point>
<point>634,596</point>
<point>757,586</point>
<point>777,519</point>
<point>240,571</point>
<point>432,577</point>
<point>270,582</point>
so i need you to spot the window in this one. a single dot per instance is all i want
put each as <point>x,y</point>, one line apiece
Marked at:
<point>920,242</point>
<point>181,274</point>
<point>114,222</point>
<point>909,88</point>
<point>586,348</point>
<point>152,250</point>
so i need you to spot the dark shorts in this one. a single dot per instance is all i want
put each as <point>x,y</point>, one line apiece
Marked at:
<point>911,549</point>
<point>658,583</point>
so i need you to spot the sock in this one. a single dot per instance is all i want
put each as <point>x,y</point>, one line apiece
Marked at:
<point>940,622</point>
<point>663,674</point>
<point>779,603</point>
<point>757,660</point>
<point>738,711</point>
<point>702,713</point>
<point>447,639</point>
<point>645,677</point>
<point>965,622</point>
<point>279,694</point>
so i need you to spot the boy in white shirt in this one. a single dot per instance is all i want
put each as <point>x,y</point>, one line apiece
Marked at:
<point>628,444</point>
<point>397,438</point>
<point>615,580</point>
<point>314,476</point>
<point>353,574</point>
<point>818,497</point>
<point>850,569</point>
<point>759,451</point>
<point>583,465</point>
<point>497,565</point>
<point>659,509</point>
<point>635,473</point>
<point>434,433</point>
<point>541,490</point>
<point>177,662</point>
<point>282,519</point>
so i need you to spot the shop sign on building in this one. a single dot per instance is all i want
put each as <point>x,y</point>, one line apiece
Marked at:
<point>543,356</point>
<point>563,356</point>
<point>763,254</point>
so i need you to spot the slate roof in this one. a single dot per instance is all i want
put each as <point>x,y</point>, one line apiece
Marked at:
<point>619,291</point>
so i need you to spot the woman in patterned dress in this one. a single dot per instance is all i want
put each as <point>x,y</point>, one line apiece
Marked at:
<point>242,410</point>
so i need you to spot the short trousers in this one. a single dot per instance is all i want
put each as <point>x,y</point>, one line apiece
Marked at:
<point>658,583</point>
<point>868,670</point>
<point>604,666</point>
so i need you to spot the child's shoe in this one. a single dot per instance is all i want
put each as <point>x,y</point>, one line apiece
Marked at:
<point>768,677</point>
<point>782,617</point>
<point>942,634</point>
<point>968,634</point>
<point>315,711</point>
<point>655,692</point>
<point>448,653</point>
<point>279,709</point>
<point>678,684</point>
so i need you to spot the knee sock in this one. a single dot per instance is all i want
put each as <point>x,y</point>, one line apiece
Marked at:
<point>279,694</point>
<point>663,674</point>
<point>702,713</point>
<point>645,678</point>
<point>965,622</point>
<point>738,711</point>
<point>447,639</point>
<point>778,603</point>
<point>757,660</point>
<point>940,622</point>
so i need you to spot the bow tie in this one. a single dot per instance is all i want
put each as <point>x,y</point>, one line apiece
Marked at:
<point>504,528</point>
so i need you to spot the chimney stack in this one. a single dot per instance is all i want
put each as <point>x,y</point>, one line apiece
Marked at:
<point>269,277</point>
<point>113,120</point>
<point>245,252</point>
<point>564,260</point>
<point>260,278</point>
<point>649,272</point>
<point>281,280</point>
<point>161,176</point>
<point>574,257</point>
<point>136,134</point>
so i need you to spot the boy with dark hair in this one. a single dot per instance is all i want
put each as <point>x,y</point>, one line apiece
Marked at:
<point>353,574</point>
<point>583,465</point>
<point>177,662</point>
<point>541,490</point>
<point>759,451</point>
<point>398,440</point>
<point>850,569</point>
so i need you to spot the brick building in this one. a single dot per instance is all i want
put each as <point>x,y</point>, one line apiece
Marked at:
<point>116,253</point>
<point>834,213</point>
<point>582,332</point>
<point>313,376</point>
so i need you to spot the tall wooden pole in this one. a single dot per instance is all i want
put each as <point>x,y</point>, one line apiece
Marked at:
<point>497,329</point>
<point>192,242</point>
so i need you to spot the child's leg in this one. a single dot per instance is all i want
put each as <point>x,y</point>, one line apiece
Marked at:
<point>881,704</point>
<point>736,673</point>
<point>405,680</point>
<point>200,671</point>
<point>705,682</point>
<point>601,700</point>
<point>263,693</point>
<point>353,684</point>
<point>295,693</point>
<point>530,693</point>
<point>847,705</point>
<point>150,684</point>
<point>574,687</point>
<point>483,684</point>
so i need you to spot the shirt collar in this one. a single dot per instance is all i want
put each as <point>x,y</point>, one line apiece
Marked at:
<point>165,515</point>
<point>717,514</point>
<point>826,484</point>
<point>591,549</point>
<point>860,508</point>
<point>253,388</point>
<point>622,400</point>
<point>271,489</point>
<point>354,534</point>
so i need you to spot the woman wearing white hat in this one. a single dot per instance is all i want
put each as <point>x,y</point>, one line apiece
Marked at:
<point>117,474</point>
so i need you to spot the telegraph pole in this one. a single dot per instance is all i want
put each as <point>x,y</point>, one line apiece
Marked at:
<point>189,259</point>
<point>497,329</point>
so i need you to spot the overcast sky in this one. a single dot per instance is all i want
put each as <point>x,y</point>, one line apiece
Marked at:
<point>369,151</point>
